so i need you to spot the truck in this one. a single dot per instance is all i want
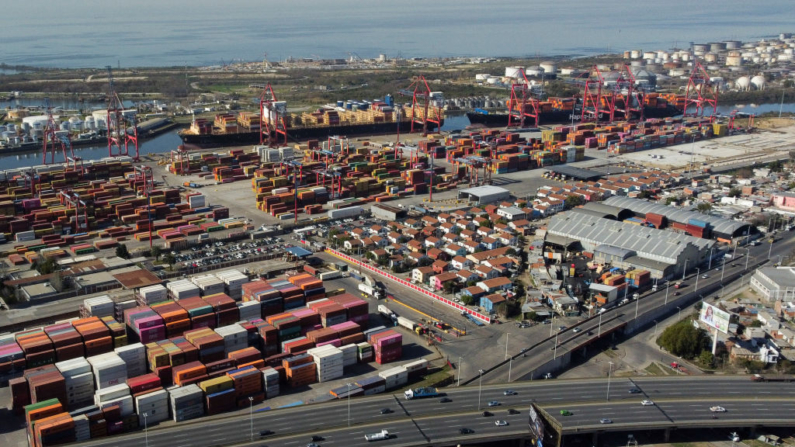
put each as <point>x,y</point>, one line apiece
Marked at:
<point>329,274</point>
<point>372,288</point>
<point>469,317</point>
<point>422,392</point>
<point>771,378</point>
<point>406,323</point>
<point>679,285</point>
<point>383,434</point>
<point>387,313</point>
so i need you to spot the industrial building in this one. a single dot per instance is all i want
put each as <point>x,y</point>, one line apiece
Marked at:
<point>775,283</point>
<point>483,195</point>
<point>626,245</point>
<point>720,228</point>
<point>387,212</point>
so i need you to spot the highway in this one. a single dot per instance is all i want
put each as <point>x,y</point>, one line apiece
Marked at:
<point>418,422</point>
<point>525,364</point>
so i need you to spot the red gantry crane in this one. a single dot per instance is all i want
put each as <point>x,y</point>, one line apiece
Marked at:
<point>53,141</point>
<point>426,106</point>
<point>272,118</point>
<point>632,92</point>
<point>595,105</point>
<point>72,200</point>
<point>144,182</point>
<point>122,130</point>
<point>522,104</point>
<point>700,93</point>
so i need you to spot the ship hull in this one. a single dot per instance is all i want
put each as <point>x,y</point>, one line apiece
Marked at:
<point>298,134</point>
<point>560,116</point>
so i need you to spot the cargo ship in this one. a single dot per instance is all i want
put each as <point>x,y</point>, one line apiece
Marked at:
<point>344,119</point>
<point>560,111</point>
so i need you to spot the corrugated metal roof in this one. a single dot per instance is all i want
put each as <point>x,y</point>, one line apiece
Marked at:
<point>614,251</point>
<point>638,206</point>
<point>646,242</point>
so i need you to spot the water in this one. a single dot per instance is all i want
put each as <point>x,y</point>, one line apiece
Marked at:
<point>63,103</point>
<point>95,33</point>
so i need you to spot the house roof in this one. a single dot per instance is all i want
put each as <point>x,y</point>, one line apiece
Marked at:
<point>496,282</point>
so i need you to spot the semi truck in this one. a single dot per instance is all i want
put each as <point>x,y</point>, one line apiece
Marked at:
<point>372,288</point>
<point>422,392</point>
<point>387,313</point>
<point>383,434</point>
<point>771,378</point>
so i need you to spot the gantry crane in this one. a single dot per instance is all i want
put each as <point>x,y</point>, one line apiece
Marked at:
<point>595,105</point>
<point>634,92</point>
<point>53,141</point>
<point>122,130</point>
<point>473,163</point>
<point>295,165</point>
<point>72,200</point>
<point>144,182</point>
<point>522,104</point>
<point>700,93</point>
<point>426,106</point>
<point>275,123</point>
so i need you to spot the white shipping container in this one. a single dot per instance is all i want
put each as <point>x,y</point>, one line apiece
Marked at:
<point>153,294</point>
<point>250,310</point>
<point>73,367</point>
<point>416,365</point>
<point>101,306</point>
<point>345,212</point>
<point>112,392</point>
<point>125,403</point>
<point>134,356</point>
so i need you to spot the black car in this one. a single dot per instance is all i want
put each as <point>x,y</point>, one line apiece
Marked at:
<point>634,391</point>
<point>317,438</point>
<point>512,411</point>
<point>466,431</point>
<point>487,413</point>
<point>445,400</point>
<point>385,411</point>
<point>266,432</point>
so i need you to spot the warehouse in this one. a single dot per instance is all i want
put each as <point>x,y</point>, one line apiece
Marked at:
<point>483,195</point>
<point>607,211</point>
<point>775,283</point>
<point>721,228</point>
<point>576,173</point>
<point>672,251</point>
<point>608,254</point>
<point>388,213</point>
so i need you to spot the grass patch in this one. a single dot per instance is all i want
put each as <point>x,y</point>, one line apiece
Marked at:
<point>755,443</point>
<point>610,353</point>
<point>434,379</point>
<point>655,370</point>
<point>685,444</point>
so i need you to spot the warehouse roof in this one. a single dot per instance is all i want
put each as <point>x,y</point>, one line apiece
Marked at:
<point>643,240</point>
<point>137,279</point>
<point>298,252</point>
<point>617,212</point>
<point>577,173</point>
<point>614,251</point>
<point>720,225</point>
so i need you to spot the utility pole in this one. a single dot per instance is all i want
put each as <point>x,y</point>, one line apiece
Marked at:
<point>251,416</point>
<point>510,365</point>
<point>459,371</point>
<point>709,267</point>
<point>684,271</point>
<point>609,372</point>
<point>349,403</point>
<point>506,344</point>
<point>668,285</point>
<point>480,386</point>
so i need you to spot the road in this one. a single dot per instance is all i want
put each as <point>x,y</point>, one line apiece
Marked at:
<point>543,352</point>
<point>418,421</point>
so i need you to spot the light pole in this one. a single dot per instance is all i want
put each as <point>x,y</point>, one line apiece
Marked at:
<point>667,286</point>
<point>480,386</point>
<point>734,252</point>
<point>698,273</point>
<point>609,372</point>
<point>599,328</point>
<point>684,272</point>
<point>555,353</point>
<point>459,371</point>
<point>552,325</point>
<point>510,366</point>
<point>747,257</point>
<point>723,269</point>
<point>506,345</point>
<point>679,315</point>
<point>770,250</point>
<point>146,429</point>
<point>709,267</point>
<point>655,328</point>
<point>637,304</point>
<point>349,403</point>
<point>251,416</point>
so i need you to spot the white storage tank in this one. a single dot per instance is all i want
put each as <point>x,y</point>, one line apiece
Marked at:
<point>481,76</point>
<point>513,72</point>
<point>635,54</point>
<point>743,83</point>
<point>734,59</point>
<point>759,82</point>
<point>549,67</point>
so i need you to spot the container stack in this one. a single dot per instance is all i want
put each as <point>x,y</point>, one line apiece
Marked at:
<point>200,313</point>
<point>143,384</point>
<point>349,355</point>
<point>152,295</point>
<point>248,383</point>
<point>365,352</point>
<point>331,313</point>
<point>154,404</point>
<point>249,311</point>
<point>82,428</point>
<point>174,316</point>
<point>244,356</point>
<point>270,379</point>
<point>357,310</point>
<point>372,385</point>
<point>187,402</point>
<point>329,362</point>
<point>394,377</point>
<point>117,331</point>
<point>46,383</point>
<point>79,382</point>
<point>101,306</point>
<point>235,337</point>
<point>67,341</point>
<point>109,370</point>
<point>38,348</point>
<point>134,356</point>
<point>209,344</point>
<point>388,346</point>
<point>233,281</point>
<point>117,395</point>
<point>181,289</point>
<point>300,370</point>
<point>220,402</point>
<point>416,369</point>
<point>12,358</point>
<point>20,394</point>
<point>209,284</point>
<point>145,325</point>
<point>54,430</point>
<point>96,335</point>
<point>225,309</point>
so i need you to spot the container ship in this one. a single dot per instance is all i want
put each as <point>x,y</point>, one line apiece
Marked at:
<point>560,110</point>
<point>343,118</point>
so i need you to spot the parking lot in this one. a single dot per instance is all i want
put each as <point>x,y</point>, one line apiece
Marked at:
<point>220,252</point>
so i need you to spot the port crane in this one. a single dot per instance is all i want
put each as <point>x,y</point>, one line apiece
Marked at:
<point>72,200</point>
<point>144,181</point>
<point>275,124</point>
<point>473,163</point>
<point>522,104</point>
<point>700,93</point>
<point>120,137</point>
<point>54,141</point>
<point>426,106</point>
<point>595,105</point>
<point>634,92</point>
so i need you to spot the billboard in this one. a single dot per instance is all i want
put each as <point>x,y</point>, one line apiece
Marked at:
<point>536,426</point>
<point>714,318</point>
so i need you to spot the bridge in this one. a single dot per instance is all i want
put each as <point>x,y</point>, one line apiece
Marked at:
<point>680,402</point>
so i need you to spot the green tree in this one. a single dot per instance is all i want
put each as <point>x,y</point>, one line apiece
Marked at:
<point>684,340</point>
<point>487,224</point>
<point>671,200</point>
<point>704,207</point>
<point>157,252</point>
<point>510,251</point>
<point>645,195</point>
<point>502,221</point>
<point>532,316</point>
<point>448,287</point>
<point>47,266</point>
<point>707,359</point>
<point>775,166</point>
<point>122,252</point>
<point>735,192</point>
<point>170,260</point>
<point>471,282</point>
<point>508,309</point>
<point>573,201</point>
<point>468,300</point>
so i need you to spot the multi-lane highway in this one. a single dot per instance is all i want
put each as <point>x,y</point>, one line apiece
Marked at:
<point>538,357</point>
<point>418,422</point>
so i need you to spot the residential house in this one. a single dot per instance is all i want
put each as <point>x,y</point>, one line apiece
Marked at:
<point>471,246</point>
<point>430,221</point>
<point>379,254</point>
<point>422,274</point>
<point>358,233</point>
<point>490,302</point>
<point>521,226</point>
<point>495,284</point>
<point>412,223</point>
<point>433,242</point>
<point>466,224</point>
<point>486,272</point>
<point>437,282</point>
<point>377,229</point>
<point>511,213</point>
<point>440,266</point>
<point>379,241</point>
<point>443,217</point>
<point>474,291</point>
<point>395,237</point>
<point>450,238</point>
<point>436,254</point>
<point>448,227</point>
<point>465,276</point>
<point>353,244</point>
<point>460,263</point>
<point>414,245</point>
<point>489,243</point>
<point>411,233</point>
<point>416,257</point>
<point>367,243</point>
<point>507,239</point>
<point>563,304</point>
<point>478,258</point>
<point>484,231</point>
<point>503,262</point>
<point>467,234</point>
<point>455,250</point>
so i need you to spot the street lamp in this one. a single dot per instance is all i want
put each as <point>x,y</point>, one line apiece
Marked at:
<point>667,286</point>
<point>146,429</point>
<point>510,366</point>
<point>637,304</point>
<point>723,269</point>
<point>599,328</point>
<point>709,267</point>
<point>770,250</point>
<point>459,370</point>
<point>679,315</point>
<point>349,403</point>
<point>698,273</point>
<point>747,257</point>
<point>251,416</point>
<point>555,353</point>
<point>480,385</point>
<point>609,371</point>
<point>506,345</point>
<point>684,272</point>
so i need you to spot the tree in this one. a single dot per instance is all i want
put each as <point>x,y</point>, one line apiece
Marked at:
<point>468,300</point>
<point>508,309</point>
<point>47,266</point>
<point>684,340</point>
<point>510,251</point>
<point>704,208</point>
<point>157,252</point>
<point>170,260</point>
<point>122,252</point>
<point>532,316</point>
<point>645,195</point>
<point>671,200</point>
<point>448,287</point>
<point>707,359</point>
<point>735,192</point>
<point>502,221</point>
<point>572,201</point>
<point>775,166</point>
<point>471,282</point>
<point>369,255</point>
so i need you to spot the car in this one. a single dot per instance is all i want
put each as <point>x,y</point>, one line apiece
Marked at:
<point>704,276</point>
<point>266,432</point>
<point>386,411</point>
<point>500,423</point>
<point>565,413</point>
<point>717,409</point>
<point>561,328</point>
<point>512,411</point>
<point>445,400</point>
<point>577,330</point>
<point>647,403</point>
<point>634,391</point>
<point>676,293</point>
<point>312,444</point>
<point>605,421</point>
<point>494,403</point>
<point>317,438</point>
<point>466,431</point>
<point>487,414</point>
<point>509,393</point>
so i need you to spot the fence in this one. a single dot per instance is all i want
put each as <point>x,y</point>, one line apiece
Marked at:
<point>403,282</point>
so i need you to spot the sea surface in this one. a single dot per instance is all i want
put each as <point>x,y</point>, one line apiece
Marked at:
<point>96,33</point>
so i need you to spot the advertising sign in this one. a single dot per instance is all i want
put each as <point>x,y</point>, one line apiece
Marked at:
<point>536,426</point>
<point>715,318</point>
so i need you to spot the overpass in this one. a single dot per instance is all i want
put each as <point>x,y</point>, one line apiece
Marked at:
<point>681,401</point>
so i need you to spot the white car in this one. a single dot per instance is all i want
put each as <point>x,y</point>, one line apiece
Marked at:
<point>500,423</point>
<point>647,403</point>
<point>717,409</point>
